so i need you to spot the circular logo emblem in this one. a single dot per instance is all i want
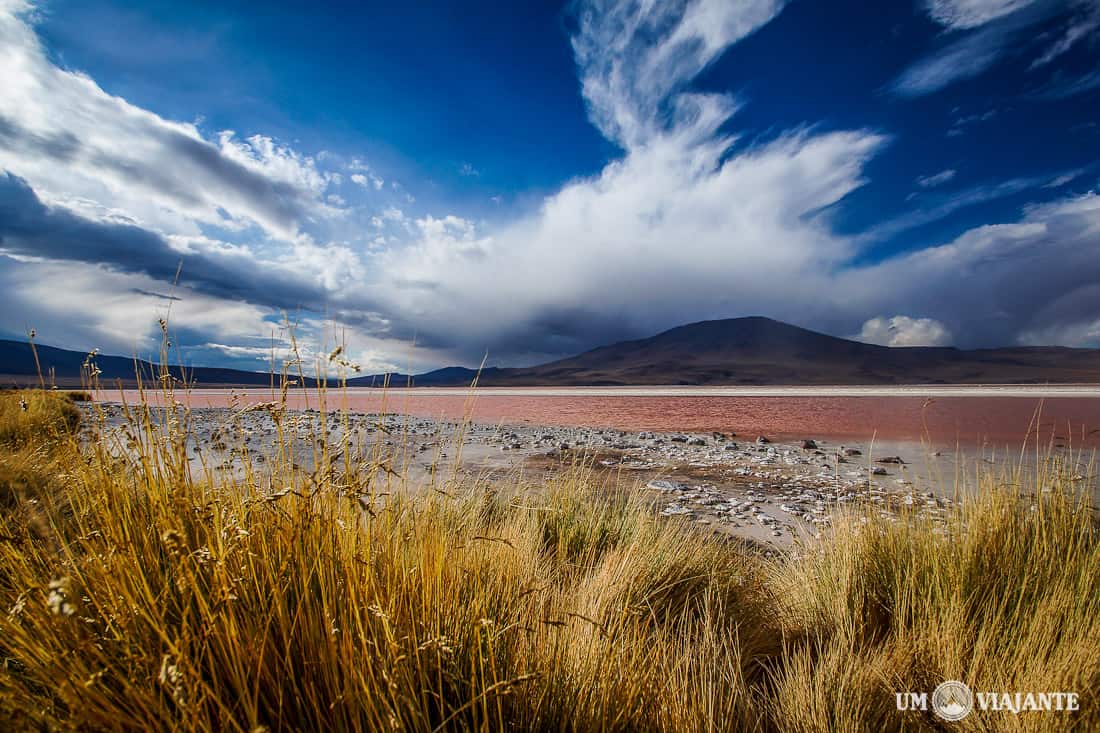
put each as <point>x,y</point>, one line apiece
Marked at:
<point>952,700</point>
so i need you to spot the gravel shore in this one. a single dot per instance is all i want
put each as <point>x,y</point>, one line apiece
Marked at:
<point>747,486</point>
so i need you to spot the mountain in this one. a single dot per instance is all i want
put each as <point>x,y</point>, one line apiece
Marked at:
<point>746,351</point>
<point>759,351</point>
<point>452,376</point>
<point>17,367</point>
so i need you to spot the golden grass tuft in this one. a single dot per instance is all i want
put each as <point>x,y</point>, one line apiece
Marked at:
<point>136,594</point>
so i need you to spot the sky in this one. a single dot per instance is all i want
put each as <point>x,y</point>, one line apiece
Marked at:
<point>441,183</point>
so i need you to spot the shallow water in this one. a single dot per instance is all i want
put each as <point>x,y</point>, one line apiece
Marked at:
<point>943,421</point>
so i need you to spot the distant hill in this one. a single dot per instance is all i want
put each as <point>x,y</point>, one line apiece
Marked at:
<point>745,351</point>
<point>761,351</point>
<point>17,367</point>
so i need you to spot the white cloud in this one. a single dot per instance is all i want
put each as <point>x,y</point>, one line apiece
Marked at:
<point>635,59</point>
<point>981,33</point>
<point>370,179</point>
<point>450,225</point>
<point>904,331</point>
<point>995,282</point>
<point>115,312</point>
<point>1083,333</point>
<point>72,140</point>
<point>936,179</point>
<point>275,162</point>
<point>1065,87</point>
<point>1080,27</point>
<point>958,14</point>
<point>1069,177</point>
<point>666,235</point>
<point>937,206</point>
<point>962,59</point>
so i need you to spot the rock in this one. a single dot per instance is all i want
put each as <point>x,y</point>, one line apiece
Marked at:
<point>852,452</point>
<point>891,459</point>
<point>665,485</point>
<point>697,441</point>
<point>762,440</point>
<point>809,445</point>
<point>878,471</point>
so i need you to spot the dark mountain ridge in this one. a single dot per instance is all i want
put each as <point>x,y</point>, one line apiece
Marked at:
<point>17,367</point>
<point>758,350</point>
<point>747,351</point>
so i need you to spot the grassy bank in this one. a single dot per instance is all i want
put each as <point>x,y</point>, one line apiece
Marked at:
<point>137,595</point>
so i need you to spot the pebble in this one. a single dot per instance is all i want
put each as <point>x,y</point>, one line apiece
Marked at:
<point>789,479</point>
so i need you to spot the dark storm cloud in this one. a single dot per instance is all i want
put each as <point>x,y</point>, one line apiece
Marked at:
<point>30,228</point>
<point>280,201</point>
<point>182,168</point>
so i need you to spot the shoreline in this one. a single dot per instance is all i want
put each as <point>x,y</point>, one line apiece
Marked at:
<point>970,418</point>
<point>1087,391</point>
<point>764,489</point>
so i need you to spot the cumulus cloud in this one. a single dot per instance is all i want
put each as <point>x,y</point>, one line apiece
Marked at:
<point>1026,280</point>
<point>368,179</point>
<point>679,228</point>
<point>904,331</point>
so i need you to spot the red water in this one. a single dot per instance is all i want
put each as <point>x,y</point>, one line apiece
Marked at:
<point>941,421</point>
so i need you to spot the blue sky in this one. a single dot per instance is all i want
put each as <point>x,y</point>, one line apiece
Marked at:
<point>433,182</point>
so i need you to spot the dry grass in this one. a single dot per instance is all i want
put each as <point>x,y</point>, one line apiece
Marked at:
<point>136,595</point>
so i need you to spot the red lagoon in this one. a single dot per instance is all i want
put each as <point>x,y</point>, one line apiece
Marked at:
<point>942,420</point>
